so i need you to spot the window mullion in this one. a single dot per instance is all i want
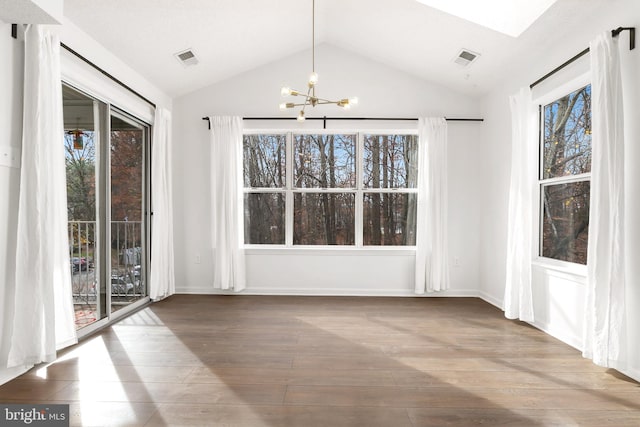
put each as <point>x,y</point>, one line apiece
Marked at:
<point>288,237</point>
<point>359,217</point>
<point>321,190</point>
<point>566,179</point>
<point>390,190</point>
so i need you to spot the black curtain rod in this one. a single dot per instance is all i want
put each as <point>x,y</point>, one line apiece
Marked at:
<point>614,33</point>
<point>413,119</point>
<point>110,76</point>
<point>324,119</point>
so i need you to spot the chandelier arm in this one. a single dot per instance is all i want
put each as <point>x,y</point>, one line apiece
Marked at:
<point>295,92</point>
<point>309,95</point>
<point>326,101</point>
<point>319,101</point>
<point>307,100</point>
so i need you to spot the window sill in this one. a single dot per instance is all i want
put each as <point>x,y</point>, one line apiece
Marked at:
<point>329,251</point>
<point>563,267</point>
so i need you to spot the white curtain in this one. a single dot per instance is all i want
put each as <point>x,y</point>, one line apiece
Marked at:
<point>161,275</point>
<point>605,305</point>
<point>432,253</point>
<point>44,318</point>
<point>518,299</point>
<point>227,203</point>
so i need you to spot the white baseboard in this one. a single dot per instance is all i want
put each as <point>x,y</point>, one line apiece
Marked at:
<point>630,372</point>
<point>569,339</point>
<point>295,292</point>
<point>491,300</point>
<point>330,292</point>
<point>576,342</point>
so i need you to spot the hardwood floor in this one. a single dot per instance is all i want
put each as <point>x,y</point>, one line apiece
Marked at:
<point>327,361</point>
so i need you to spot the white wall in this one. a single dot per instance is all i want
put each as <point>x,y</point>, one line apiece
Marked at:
<point>559,295</point>
<point>631,83</point>
<point>382,92</point>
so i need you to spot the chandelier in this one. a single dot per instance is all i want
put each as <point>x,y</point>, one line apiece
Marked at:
<point>310,97</point>
<point>78,134</point>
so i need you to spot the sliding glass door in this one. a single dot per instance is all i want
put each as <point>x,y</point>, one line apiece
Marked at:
<point>128,140</point>
<point>82,154</point>
<point>106,163</point>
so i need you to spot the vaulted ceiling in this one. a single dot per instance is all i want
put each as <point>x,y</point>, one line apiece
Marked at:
<point>233,36</point>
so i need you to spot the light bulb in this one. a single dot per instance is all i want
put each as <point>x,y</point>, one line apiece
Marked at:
<point>313,78</point>
<point>353,101</point>
<point>285,91</point>
<point>346,106</point>
<point>283,106</point>
<point>301,117</point>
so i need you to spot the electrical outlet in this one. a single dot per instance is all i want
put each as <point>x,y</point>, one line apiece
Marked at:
<point>198,259</point>
<point>456,261</point>
<point>9,156</point>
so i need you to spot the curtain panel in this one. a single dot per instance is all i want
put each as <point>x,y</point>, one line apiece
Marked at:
<point>43,319</point>
<point>518,298</point>
<point>432,253</point>
<point>227,232</point>
<point>604,331</point>
<point>162,275</point>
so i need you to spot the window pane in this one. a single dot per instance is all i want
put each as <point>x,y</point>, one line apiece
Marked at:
<point>566,221</point>
<point>390,161</point>
<point>390,219</point>
<point>264,218</point>
<point>324,161</point>
<point>127,160</point>
<point>264,161</point>
<point>324,219</point>
<point>567,135</point>
<point>81,145</point>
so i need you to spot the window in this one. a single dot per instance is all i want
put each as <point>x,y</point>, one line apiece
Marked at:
<point>390,185</point>
<point>565,177</point>
<point>324,167</point>
<point>264,180</point>
<point>347,189</point>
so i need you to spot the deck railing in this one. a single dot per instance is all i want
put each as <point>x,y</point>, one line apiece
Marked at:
<point>127,282</point>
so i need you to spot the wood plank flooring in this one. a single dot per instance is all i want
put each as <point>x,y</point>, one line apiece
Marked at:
<point>256,361</point>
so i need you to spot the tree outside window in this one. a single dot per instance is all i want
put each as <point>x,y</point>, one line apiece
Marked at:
<point>390,184</point>
<point>264,174</point>
<point>565,177</point>
<point>346,189</point>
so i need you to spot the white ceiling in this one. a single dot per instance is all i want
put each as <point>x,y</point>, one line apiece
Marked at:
<point>233,36</point>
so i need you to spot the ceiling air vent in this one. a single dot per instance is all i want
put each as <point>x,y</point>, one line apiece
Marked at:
<point>186,57</point>
<point>465,57</point>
